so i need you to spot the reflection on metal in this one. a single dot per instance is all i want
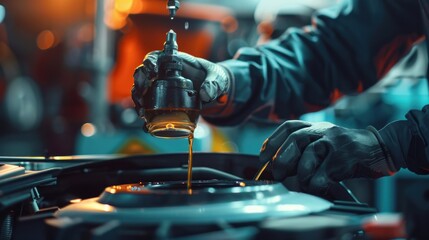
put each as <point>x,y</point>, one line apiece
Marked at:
<point>210,201</point>
<point>76,200</point>
<point>24,159</point>
<point>343,185</point>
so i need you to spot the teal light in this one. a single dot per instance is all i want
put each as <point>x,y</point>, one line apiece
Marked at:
<point>2,13</point>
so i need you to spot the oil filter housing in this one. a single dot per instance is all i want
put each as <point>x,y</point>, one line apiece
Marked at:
<point>172,104</point>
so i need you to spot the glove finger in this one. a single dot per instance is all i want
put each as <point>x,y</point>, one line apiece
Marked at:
<point>193,70</point>
<point>194,62</point>
<point>312,157</point>
<point>320,182</point>
<point>145,72</point>
<point>189,60</point>
<point>286,159</point>
<point>138,101</point>
<point>151,63</point>
<point>140,79</point>
<point>273,143</point>
<point>212,89</point>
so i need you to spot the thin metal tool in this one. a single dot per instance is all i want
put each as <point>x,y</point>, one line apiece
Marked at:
<point>341,187</point>
<point>173,6</point>
<point>347,193</point>
<point>262,170</point>
<point>342,184</point>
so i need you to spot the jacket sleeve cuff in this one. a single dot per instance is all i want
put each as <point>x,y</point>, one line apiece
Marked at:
<point>396,137</point>
<point>386,160</point>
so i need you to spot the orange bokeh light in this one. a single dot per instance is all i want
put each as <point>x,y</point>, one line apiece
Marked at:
<point>88,130</point>
<point>123,5</point>
<point>115,20</point>
<point>45,39</point>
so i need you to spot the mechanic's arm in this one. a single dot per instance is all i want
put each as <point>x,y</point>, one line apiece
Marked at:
<point>300,71</point>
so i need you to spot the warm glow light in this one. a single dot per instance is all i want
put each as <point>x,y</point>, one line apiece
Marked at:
<point>76,200</point>
<point>88,130</point>
<point>107,208</point>
<point>169,125</point>
<point>45,39</point>
<point>86,33</point>
<point>242,184</point>
<point>123,5</point>
<point>112,189</point>
<point>229,24</point>
<point>137,7</point>
<point>115,20</point>
<point>90,8</point>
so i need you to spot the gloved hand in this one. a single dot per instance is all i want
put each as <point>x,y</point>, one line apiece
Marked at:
<point>210,80</point>
<point>322,153</point>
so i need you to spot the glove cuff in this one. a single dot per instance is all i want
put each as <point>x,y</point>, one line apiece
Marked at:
<point>382,164</point>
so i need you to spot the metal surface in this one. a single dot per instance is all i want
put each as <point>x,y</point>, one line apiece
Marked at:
<point>173,6</point>
<point>210,201</point>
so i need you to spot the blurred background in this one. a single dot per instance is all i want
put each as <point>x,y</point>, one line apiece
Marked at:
<point>66,67</point>
<point>66,72</point>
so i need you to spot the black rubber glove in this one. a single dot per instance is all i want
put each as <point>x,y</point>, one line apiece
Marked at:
<point>322,153</point>
<point>210,80</point>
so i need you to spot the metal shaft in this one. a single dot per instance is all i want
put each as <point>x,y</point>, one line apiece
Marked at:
<point>173,6</point>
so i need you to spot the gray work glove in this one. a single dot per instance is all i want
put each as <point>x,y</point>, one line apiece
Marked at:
<point>210,80</point>
<point>320,154</point>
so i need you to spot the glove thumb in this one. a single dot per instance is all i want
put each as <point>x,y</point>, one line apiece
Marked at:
<point>216,82</point>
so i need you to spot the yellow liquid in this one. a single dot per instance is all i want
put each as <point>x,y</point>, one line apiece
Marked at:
<point>189,183</point>
<point>171,123</point>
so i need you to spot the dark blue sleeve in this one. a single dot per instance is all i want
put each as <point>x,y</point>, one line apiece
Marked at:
<point>303,69</point>
<point>408,140</point>
<point>417,159</point>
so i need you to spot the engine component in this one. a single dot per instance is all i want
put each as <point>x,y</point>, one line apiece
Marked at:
<point>172,105</point>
